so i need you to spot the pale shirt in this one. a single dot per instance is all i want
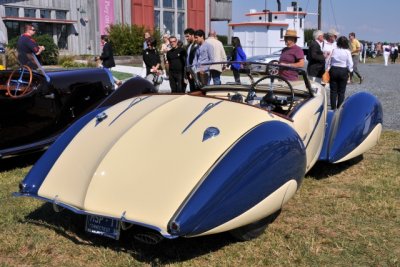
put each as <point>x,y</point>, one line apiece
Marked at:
<point>328,47</point>
<point>341,58</point>
<point>219,52</point>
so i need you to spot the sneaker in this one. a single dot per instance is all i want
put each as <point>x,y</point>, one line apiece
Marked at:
<point>361,80</point>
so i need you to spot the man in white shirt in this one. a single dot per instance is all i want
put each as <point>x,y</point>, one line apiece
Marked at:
<point>330,42</point>
<point>219,55</point>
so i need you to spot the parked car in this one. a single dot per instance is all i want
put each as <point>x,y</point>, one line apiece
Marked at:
<point>274,57</point>
<point>36,106</point>
<point>225,158</point>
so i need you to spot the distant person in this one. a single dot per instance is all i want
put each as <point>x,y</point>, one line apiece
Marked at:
<point>316,58</point>
<point>330,42</point>
<point>394,53</point>
<point>237,55</point>
<point>191,48</point>
<point>147,35</point>
<point>165,47</point>
<point>204,54</point>
<point>151,59</point>
<point>355,47</point>
<point>340,65</point>
<point>292,55</point>
<point>28,48</point>
<point>107,56</point>
<point>386,52</point>
<point>219,55</point>
<point>176,58</point>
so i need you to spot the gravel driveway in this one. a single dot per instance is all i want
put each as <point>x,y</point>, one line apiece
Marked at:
<point>383,82</point>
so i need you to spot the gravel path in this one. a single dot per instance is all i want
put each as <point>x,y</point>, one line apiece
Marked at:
<point>383,82</point>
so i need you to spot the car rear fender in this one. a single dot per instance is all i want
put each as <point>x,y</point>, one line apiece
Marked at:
<point>353,128</point>
<point>263,160</point>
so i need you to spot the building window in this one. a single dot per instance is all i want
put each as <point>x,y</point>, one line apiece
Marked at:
<point>169,17</point>
<point>30,13</point>
<point>181,4</point>
<point>61,14</point>
<point>11,11</point>
<point>45,14</point>
<point>62,36</point>
<point>168,3</point>
<point>156,19</point>
<point>169,22</point>
<point>13,29</point>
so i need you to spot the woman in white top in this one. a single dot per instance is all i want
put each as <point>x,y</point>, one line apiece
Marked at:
<point>340,66</point>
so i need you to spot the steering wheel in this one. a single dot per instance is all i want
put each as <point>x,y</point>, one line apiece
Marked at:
<point>21,86</point>
<point>270,98</point>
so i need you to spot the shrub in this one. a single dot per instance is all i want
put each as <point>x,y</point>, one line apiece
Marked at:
<point>127,40</point>
<point>48,56</point>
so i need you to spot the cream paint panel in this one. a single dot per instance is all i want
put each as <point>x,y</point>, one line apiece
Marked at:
<point>70,176</point>
<point>154,167</point>
<point>304,123</point>
<point>266,207</point>
<point>367,144</point>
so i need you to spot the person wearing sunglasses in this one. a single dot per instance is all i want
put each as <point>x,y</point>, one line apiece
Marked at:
<point>28,48</point>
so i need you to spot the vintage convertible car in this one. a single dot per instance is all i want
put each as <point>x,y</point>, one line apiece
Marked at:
<point>225,158</point>
<point>36,106</point>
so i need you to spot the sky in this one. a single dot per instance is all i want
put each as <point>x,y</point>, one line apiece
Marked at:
<point>371,20</point>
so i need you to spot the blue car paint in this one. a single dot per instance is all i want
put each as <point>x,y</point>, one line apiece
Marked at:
<point>350,125</point>
<point>34,179</point>
<point>258,164</point>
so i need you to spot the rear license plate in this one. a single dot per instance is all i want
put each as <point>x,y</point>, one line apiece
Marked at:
<point>102,226</point>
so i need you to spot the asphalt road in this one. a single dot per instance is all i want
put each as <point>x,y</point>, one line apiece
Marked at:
<point>383,82</point>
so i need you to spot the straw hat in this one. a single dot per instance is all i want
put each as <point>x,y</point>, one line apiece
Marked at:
<point>291,33</point>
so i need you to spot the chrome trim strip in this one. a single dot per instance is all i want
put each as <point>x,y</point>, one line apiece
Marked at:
<point>206,108</point>
<point>134,102</point>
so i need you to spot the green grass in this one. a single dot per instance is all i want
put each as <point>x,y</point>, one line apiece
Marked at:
<point>121,75</point>
<point>343,215</point>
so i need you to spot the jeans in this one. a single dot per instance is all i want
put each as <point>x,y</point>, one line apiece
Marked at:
<point>215,75</point>
<point>337,83</point>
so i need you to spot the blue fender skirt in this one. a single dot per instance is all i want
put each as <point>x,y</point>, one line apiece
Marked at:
<point>350,125</point>
<point>263,160</point>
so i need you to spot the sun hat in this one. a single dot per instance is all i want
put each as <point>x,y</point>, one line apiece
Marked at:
<point>291,33</point>
<point>333,32</point>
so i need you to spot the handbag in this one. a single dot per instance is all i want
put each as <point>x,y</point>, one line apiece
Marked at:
<point>326,77</point>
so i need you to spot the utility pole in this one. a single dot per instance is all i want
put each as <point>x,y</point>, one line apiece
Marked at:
<point>319,14</point>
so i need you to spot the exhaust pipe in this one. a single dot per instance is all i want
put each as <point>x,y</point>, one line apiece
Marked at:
<point>148,238</point>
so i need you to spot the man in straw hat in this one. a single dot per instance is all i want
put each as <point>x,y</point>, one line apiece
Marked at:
<point>330,42</point>
<point>292,55</point>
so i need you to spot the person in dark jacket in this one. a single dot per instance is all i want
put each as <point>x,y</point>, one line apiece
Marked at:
<point>316,58</point>
<point>107,56</point>
<point>176,58</point>
<point>190,54</point>
<point>151,59</point>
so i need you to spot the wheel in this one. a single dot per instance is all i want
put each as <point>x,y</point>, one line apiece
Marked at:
<point>270,97</point>
<point>21,86</point>
<point>254,230</point>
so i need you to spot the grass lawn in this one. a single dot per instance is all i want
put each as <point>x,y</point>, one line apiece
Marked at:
<point>343,215</point>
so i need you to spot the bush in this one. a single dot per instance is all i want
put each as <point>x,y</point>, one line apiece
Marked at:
<point>127,40</point>
<point>48,56</point>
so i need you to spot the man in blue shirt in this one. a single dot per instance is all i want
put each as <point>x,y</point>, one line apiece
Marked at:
<point>204,54</point>
<point>27,47</point>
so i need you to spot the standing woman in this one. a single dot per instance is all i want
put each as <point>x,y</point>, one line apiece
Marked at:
<point>340,65</point>
<point>237,55</point>
<point>151,59</point>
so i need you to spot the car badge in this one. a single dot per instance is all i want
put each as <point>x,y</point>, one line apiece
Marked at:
<point>210,132</point>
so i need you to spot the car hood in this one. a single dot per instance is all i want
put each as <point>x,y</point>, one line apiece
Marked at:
<point>142,157</point>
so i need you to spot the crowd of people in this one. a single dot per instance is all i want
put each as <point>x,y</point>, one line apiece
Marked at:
<point>339,56</point>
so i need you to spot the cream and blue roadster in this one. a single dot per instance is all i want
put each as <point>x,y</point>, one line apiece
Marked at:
<point>225,158</point>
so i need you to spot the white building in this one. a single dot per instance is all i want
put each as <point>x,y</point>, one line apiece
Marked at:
<point>263,32</point>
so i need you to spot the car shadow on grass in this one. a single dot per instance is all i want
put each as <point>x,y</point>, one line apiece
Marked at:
<point>71,226</point>
<point>322,170</point>
<point>21,161</point>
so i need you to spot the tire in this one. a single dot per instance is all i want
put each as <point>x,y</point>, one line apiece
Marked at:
<point>254,230</point>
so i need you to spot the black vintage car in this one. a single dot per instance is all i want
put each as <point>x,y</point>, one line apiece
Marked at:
<point>36,106</point>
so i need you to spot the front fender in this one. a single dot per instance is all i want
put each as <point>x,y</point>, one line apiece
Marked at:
<point>263,160</point>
